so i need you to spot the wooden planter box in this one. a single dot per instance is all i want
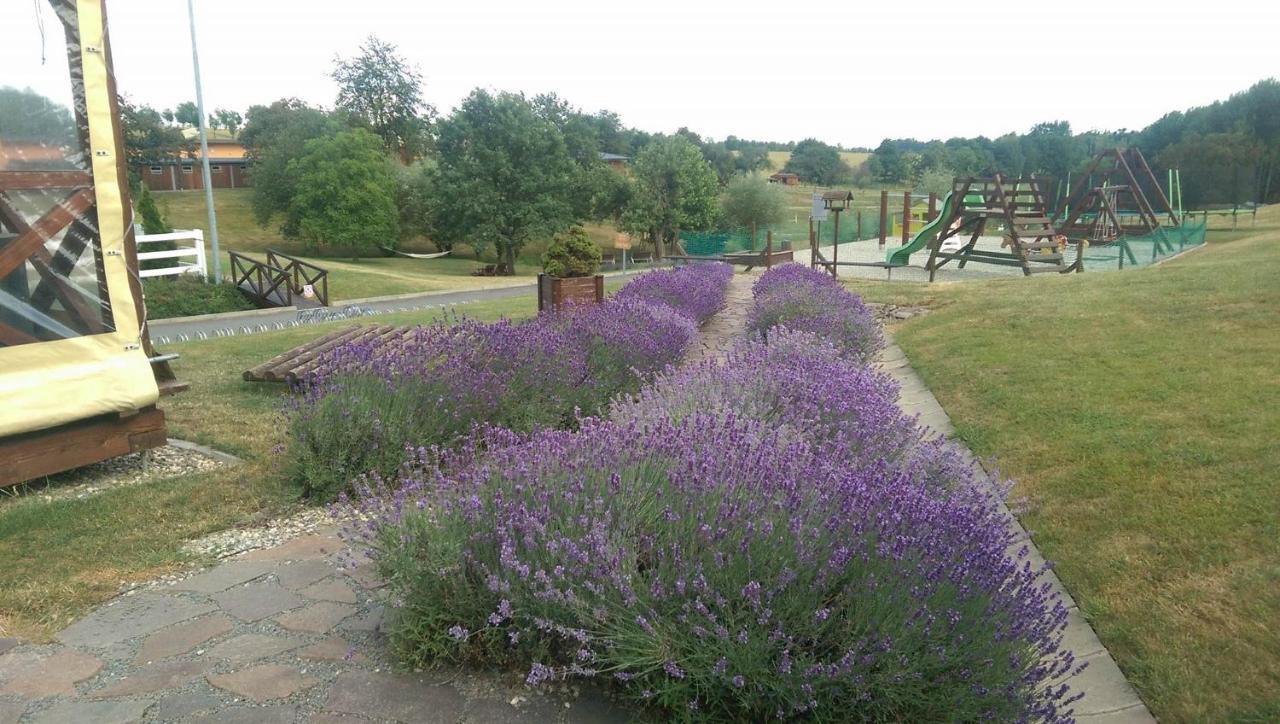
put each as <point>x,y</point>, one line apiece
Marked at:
<point>556,291</point>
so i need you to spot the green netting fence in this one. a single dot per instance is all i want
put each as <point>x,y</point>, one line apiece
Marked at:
<point>790,234</point>
<point>1146,249</point>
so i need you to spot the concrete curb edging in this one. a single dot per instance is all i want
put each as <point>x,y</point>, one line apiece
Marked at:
<point>1108,696</point>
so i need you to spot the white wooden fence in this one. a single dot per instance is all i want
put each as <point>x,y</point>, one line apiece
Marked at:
<point>196,250</point>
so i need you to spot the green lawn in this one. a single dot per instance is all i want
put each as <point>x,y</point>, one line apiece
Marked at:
<point>1139,413</point>
<point>57,559</point>
<point>351,278</point>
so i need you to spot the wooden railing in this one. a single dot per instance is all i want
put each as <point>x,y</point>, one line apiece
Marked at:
<point>260,281</point>
<point>302,273</point>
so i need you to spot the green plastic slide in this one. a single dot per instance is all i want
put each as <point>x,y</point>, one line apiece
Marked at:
<point>902,255</point>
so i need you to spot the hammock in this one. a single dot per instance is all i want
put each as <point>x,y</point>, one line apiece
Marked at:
<point>436,255</point>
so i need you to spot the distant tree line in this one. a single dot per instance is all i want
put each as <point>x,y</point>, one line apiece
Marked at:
<point>1226,153</point>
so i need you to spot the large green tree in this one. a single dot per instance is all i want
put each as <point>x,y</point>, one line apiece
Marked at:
<point>273,136</point>
<point>26,115</point>
<point>380,89</point>
<point>345,198</point>
<point>817,163</point>
<point>504,175</point>
<point>751,201</point>
<point>675,188</point>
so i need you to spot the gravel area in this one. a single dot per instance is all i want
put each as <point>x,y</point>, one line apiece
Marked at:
<point>157,464</point>
<point>264,534</point>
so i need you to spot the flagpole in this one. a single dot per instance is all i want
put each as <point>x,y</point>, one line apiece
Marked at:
<point>204,149</point>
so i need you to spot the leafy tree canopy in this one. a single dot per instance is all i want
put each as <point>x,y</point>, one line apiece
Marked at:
<point>345,198</point>
<point>675,188</point>
<point>751,202</point>
<point>817,162</point>
<point>381,89</point>
<point>273,136</point>
<point>504,177</point>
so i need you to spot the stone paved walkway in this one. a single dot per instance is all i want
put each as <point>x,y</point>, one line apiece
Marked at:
<point>1108,697</point>
<point>282,634</point>
<point>719,333</point>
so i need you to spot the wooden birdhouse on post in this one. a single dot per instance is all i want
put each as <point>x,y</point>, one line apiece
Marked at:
<point>835,202</point>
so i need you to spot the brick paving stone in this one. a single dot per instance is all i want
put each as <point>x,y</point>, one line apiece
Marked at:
<point>256,601</point>
<point>317,618</point>
<point>330,590</point>
<point>11,711</point>
<point>265,682</point>
<point>153,678</point>
<point>247,648</point>
<point>297,574</point>
<point>183,637</point>
<point>181,707</point>
<point>46,671</point>
<point>309,547</point>
<point>394,696</point>
<point>276,714</point>
<point>224,576</point>
<point>334,648</point>
<point>97,712</point>
<point>131,616</point>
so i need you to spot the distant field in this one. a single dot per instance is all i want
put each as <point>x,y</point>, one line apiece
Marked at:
<point>778,159</point>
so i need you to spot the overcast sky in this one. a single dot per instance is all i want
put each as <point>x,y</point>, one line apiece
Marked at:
<point>764,70</point>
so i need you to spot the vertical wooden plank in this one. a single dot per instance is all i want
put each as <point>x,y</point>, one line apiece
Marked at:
<point>884,215</point>
<point>906,217</point>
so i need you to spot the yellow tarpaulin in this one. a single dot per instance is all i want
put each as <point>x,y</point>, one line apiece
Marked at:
<point>48,383</point>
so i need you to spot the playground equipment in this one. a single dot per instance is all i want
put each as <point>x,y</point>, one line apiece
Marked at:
<point>1018,205</point>
<point>919,214</point>
<point>1117,204</point>
<point>78,376</point>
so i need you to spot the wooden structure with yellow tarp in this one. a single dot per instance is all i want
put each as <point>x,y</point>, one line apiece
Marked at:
<point>79,380</point>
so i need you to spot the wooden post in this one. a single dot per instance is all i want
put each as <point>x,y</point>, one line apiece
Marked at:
<point>858,236</point>
<point>933,205</point>
<point>813,246</point>
<point>835,242</point>
<point>906,217</point>
<point>884,215</point>
<point>768,249</point>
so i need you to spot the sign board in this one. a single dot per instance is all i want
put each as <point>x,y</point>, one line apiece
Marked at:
<point>819,212</point>
<point>622,241</point>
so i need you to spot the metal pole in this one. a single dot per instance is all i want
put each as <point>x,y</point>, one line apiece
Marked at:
<point>204,149</point>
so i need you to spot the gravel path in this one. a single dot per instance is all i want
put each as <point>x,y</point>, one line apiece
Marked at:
<point>728,325</point>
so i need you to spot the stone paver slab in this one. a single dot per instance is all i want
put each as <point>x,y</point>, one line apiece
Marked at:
<point>317,618</point>
<point>153,678</point>
<point>334,648</point>
<point>1136,714</point>
<point>593,707</point>
<point>265,682</point>
<point>394,696</point>
<point>329,717</point>
<point>365,575</point>
<point>276,714</point>
<point>1104,686</point>
<point>98,712</point>
<point>247,648</point>
<point>500,711</point>
<point>11,711</point>
<point>309,547</point>
<point>330,590</point>
<point>256,601</point>
<point>183,637</point>
<point>224,576</point>
<point>298,574</point>
<point>370,620</point>
<point>46,671</point>
<point>131,616</point>
<point>182,707</point>
<point>6,644</point>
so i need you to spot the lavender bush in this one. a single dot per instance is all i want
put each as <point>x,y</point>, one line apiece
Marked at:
<point>806,299</point>
<point>367,401</point>
<point>696,291</point>
<point>722,570</point>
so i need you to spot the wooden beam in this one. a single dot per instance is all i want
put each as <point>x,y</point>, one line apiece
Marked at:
<point>45,452</point>
<point>60,216</point>
<point>44,180</point>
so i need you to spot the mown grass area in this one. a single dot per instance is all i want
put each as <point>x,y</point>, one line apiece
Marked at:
<point>1139,413</point>
<point>778,159</point>
<point>58,559</point>
<point>349,278</point>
